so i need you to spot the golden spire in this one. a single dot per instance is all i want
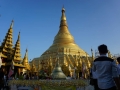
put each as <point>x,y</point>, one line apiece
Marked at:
<point>63,17</point>
<point>63,21</point>
<point>26,54</point>
<point>25,59</point>
<point>7,44</point>
<point>19,36</point>
<point>17,54</point>
<point>63,35</point>
<point>11,26</point>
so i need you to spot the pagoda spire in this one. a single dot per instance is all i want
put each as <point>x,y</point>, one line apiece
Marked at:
<point>25,60</point>
<point>17,54</point>
<point>19,36</point>
<point>7,44</point>
<point>63,18</point>
<point>11,26</point>
<point>63,35</point>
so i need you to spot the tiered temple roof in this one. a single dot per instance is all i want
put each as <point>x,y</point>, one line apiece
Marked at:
<point>7,44</point>
<point>16,51</point>
<point>9,53</point>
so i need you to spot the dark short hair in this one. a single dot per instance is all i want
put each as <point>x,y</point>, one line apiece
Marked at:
<point>103,48</point>
<point>118,59</point>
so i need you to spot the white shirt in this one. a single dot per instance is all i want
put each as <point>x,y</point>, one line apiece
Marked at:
<point>106,70</point>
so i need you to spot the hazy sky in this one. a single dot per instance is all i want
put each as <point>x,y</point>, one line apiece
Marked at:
<point>91,22</point>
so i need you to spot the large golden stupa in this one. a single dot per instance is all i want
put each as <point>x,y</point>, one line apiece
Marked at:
<point>71,56</point>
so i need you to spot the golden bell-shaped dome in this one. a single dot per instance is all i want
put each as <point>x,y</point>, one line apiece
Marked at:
<point>64,39</point>
<point>57,72</point>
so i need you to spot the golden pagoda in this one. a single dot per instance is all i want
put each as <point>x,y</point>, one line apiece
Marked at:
<point>33,69</point>
<point>10,54</point>
<point>25,62</point>
<point>70,54</point>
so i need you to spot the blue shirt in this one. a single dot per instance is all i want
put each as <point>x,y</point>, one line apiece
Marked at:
<point>106,69</point>
<point>118,68</point>
<point>94,74</point>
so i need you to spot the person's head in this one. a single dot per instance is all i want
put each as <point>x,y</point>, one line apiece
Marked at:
<point>102,49</point>
<point>118,60</point>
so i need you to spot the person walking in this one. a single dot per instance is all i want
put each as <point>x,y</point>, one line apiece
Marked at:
<point>106,69</point>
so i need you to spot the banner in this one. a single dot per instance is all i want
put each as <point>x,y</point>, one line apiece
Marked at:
<point>58,88</point>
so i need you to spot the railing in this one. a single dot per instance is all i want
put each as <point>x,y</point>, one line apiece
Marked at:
<point>48,84</point>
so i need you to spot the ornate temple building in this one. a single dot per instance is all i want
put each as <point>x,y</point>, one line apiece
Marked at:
<point>11,54</point>
<point>71,56</point>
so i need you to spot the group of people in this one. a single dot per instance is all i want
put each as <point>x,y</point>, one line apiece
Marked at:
<point>105,71</point>
<point>25,76</point>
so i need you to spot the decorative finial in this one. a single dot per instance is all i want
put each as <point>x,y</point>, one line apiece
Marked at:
<point>26,50</point>
<point>11,24</point>
<point>63,9</point>
<point>19,36</point>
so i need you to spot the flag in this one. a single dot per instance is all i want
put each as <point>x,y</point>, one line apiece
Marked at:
<point>83,69</point>
<point>11,70</point>
<point>0,61</point>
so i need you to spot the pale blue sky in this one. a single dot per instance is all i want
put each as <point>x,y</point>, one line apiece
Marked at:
<point>91,22</point>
